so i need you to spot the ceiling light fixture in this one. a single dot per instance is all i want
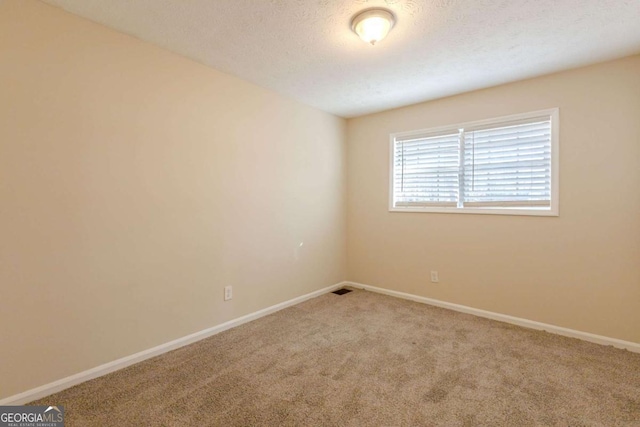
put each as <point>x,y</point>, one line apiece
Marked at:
<point>372,25</point>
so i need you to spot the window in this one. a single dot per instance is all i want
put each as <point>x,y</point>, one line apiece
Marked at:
<point>507,166</point>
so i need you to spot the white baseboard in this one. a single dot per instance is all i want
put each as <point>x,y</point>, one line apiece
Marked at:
<point>98,371</point>
<point>585,336</point>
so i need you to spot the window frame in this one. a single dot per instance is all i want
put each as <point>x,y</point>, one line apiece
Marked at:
<point>553,113</point>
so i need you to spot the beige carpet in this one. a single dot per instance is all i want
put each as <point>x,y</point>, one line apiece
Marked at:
<point>364,359</point>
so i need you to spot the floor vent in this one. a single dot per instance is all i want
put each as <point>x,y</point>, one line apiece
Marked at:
<point>341,291</point>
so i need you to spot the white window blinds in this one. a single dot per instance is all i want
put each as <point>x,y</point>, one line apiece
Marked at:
<point>508,165</point>
<point>427,170</point>
<point>503,163</point>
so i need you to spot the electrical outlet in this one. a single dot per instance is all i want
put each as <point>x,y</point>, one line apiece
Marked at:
<point>228,293</point>
<point>434,277</point>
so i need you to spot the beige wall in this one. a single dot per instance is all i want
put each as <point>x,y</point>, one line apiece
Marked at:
<point>580,270</point>
<point>135,184</point>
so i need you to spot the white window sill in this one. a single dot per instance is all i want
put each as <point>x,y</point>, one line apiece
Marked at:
<point>483,211</point>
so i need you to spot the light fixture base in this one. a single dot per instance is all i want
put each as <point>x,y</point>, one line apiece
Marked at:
<point>372,25</point>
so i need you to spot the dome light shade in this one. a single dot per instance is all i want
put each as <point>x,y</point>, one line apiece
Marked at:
<point>372,25</point>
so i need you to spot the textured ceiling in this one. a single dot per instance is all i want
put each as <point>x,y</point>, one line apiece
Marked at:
<point>306,50</point>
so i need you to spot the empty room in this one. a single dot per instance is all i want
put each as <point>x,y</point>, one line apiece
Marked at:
<point>319,213</point>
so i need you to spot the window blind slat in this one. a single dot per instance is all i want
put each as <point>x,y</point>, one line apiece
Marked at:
<point>507,174</point>
<point>428,145</point>
<point>522,167</point>
<point>420,139</point>
<point>507,149</point>
<point>422,163</point>
<point>525,125</point>
<point>538,140</point>
<point>506,135</point>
